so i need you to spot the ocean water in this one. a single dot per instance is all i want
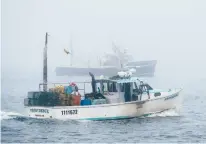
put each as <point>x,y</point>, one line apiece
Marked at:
<point>185,125</point>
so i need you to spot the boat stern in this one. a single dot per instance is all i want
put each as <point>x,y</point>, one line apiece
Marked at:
<point>38,112</point>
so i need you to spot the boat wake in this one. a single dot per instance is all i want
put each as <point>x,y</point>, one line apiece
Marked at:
<point>11,115</point>
<point>171,112</point>
<point>166,113</point>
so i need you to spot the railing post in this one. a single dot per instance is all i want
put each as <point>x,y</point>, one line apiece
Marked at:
<point>84,88</point>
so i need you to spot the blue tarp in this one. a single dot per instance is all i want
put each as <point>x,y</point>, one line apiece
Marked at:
<point>68,89</point>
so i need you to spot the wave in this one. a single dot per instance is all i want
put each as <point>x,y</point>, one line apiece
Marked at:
<point>166,113</point>
<point>10,115</point>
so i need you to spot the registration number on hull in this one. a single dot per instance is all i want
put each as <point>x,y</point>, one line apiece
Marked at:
<point>69,112</point>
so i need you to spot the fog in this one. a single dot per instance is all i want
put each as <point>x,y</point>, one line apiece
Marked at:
<point>173,32</point>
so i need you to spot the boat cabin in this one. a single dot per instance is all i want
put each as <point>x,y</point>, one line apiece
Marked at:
<point>119,90</point>
<point>104,91</point>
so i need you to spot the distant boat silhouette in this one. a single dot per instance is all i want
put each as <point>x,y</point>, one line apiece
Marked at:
<point>110,65</point>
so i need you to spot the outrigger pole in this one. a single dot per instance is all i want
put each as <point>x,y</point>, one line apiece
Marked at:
<point>71,55</point>
<point>45,64</point>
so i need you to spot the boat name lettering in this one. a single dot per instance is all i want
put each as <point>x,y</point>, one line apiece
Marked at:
<point>171,96</point>
<point>69,112</point>
<point>39,115</point>
<point>39,110</point>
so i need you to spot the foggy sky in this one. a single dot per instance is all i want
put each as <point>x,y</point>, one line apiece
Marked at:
<point>170,31</point>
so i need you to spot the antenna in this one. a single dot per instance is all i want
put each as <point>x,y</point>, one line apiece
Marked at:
<point>100,61</point>
<point>117,54</point>
<point>45,64</point>
<point>88,63</point>
<point>114,47</point>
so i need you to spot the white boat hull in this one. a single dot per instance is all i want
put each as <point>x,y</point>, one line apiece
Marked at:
<point>108,111</point>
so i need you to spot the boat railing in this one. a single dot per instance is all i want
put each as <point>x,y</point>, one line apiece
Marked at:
<point>53,85</point>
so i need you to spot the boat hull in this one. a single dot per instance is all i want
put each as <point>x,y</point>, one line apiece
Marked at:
<point>107,111</point>
<point>142,69</point>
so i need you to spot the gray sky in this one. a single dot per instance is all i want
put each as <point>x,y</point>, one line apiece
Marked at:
<point>170,31</point>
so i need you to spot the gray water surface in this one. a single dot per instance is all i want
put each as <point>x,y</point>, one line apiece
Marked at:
<point>188,125</point>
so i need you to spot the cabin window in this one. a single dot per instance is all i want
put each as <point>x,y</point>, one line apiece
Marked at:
<point>127,94</point>
<point>103,87</point>
<point>109,87</point>
<point>135,85</point>
<point>98,87</point>
<point>145,88</point>
<point>148,87</point>
<point>122,87</point>
<point>112,87</point>
<point>106,86</point>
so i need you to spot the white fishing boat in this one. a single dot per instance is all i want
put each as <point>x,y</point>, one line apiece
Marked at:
<point>117,103</point>
<point>119,97</point>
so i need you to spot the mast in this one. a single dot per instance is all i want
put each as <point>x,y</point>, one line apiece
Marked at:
<point>88,63</point>
<point>71,58</point>
<point>45,64</point>
<point>100,61</point>
<point>117,52</point>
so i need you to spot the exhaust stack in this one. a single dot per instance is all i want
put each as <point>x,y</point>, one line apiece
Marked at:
<point>45,64</point>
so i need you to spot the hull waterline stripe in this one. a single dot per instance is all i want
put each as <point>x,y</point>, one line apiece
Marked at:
<point>107,118</point>
<point>121,117</point>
